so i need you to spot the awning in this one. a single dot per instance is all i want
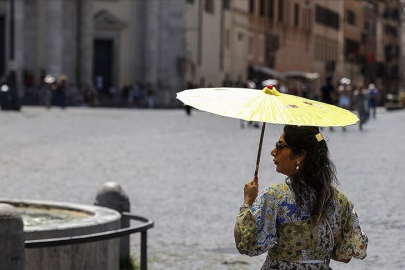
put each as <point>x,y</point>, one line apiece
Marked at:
<point>301,75</point>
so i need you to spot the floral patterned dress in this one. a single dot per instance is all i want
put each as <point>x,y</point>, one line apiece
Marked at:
<point>277,224</point>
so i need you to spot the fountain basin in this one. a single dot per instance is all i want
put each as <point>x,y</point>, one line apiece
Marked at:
<point>50,219</point>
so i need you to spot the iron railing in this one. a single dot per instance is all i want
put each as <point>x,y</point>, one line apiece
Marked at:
<point>80,239</point>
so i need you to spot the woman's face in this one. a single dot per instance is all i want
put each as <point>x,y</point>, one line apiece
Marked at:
<point>285,162</point>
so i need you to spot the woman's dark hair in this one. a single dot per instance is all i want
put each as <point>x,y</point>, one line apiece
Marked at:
<point>318,171</point>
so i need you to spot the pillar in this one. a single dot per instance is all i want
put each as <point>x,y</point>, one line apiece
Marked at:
<point>11,238</point>
<point>86,43</point>
<point>152,39</point>
<point>54,37</point>
<point>112,195</point>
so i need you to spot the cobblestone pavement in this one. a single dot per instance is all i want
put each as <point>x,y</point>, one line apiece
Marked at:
<point>187,174</point>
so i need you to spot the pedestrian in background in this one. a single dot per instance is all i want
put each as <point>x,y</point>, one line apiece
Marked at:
<point>99,83</point>
<point>61,91</point>
<point>345,95</point>
<point>90,97</point>
<point>373,96</point>
<point>150,92</point>
<point>328,92</point>
<point>49,84</point>
<point>251,85</point>
<point>305,222</point>
<point>50,91</point>
<point>188,86</point>
<point>136,92</point>
<point>361,104</point>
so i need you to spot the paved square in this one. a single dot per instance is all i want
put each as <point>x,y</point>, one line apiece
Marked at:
<point>187,174</point>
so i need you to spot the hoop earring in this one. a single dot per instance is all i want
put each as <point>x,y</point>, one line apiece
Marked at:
<point>298,165</point>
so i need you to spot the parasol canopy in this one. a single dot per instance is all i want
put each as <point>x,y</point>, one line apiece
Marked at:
<point>266,106</point>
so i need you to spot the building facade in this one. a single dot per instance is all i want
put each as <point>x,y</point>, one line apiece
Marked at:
<point>216,42</point>
<point>122,41</point>
<point>167,44</point>
<point>390,41</point>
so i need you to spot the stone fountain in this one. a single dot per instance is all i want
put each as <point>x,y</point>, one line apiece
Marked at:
<point>48,220</point>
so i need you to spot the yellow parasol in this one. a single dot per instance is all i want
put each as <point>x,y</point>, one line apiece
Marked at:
<point>266,106</point>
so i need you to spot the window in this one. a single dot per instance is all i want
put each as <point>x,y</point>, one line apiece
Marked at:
<point>190,1</point>
<point>209,6</point>
<point>364,37</point>
<point>240,36</point>
<point>262,9</point>
<point>390,30</point>
<point>226,4</point>
<point>280,10</point>
<point>367,26</point>
<point>306,17</point>
<point>351,17</point>
<point>373,30</point>
<point>252,6</point>
<point>270,7</point>
<point>395,14</point>
<point>326,17</point>
<point>296,14</point>
<point>352,49</point>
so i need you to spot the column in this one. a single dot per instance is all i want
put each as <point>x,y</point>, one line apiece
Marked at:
<point>151,38</point>
<point>11,238</point>
<point>19,47</point>
<point>54,37</point>
<point>86,43</point>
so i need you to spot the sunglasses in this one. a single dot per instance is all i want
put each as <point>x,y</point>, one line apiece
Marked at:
<point>279,146</point>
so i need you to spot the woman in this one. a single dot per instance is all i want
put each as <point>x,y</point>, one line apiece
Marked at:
<point>304,222</point>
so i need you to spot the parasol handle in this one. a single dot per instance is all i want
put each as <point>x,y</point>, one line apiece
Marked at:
<point>260,149</point>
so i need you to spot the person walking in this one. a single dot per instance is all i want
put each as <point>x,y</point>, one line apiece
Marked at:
<point>49,86</point>
<point>373,98</point>
<point>328,92</point>
<point>188,86</point>
<point>361,104</point>
<point>61,91</point>
<point>305,222</point>
<point>251,85</point>
<point>345,95</point>
<point>150,92</point>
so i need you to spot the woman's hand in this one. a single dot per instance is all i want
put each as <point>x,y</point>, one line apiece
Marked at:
<point>251,190</point>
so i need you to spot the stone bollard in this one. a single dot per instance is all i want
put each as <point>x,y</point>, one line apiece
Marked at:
<point>111,195</point>
<point>12,245</point>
